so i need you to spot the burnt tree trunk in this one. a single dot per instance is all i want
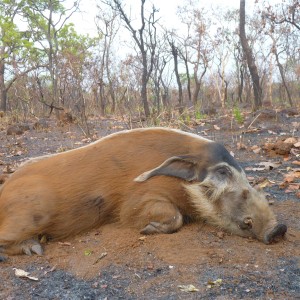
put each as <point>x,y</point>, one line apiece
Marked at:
<point>250,59</point>
<point>188,77</point>
<point>241,84</point>
<point>180,94</point>
<point>145,79</point>
<point>198,83</point>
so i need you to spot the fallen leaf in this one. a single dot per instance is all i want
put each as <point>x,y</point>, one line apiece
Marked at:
<point>217,127</point>
<point>102,255</point>
<point>297,145</point>
<point>293,186</point>
<point>241,146</point>
<point>88,252</point>
<point>211,284</point>
<point>64,243</point>
<point>283,185</point>
<point>291,176</point>
<point>23,274</point>
<point>269,165</point>
<point>188,288</point>
<point>296,162</point>
<point>256,149</point>
<point>291,140</point>
<point>264,183</point>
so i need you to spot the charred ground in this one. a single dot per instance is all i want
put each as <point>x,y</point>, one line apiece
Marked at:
<point>114,263</point>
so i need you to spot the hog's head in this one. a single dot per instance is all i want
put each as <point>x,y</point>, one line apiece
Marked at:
<point>221,194</point>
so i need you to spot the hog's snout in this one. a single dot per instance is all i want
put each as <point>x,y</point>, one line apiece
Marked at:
<point>277,232</point>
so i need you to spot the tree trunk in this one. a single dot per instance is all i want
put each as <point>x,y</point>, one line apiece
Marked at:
<point>102,97</point>
<point>144,85</point>
<point>180,95</point>
<point>241,84</point>
<point>198,83</point>
<point>187,77</point>
<point>196,91</point>
<point>3,91</point>
<point>281,71</point>
<point>250,59</point>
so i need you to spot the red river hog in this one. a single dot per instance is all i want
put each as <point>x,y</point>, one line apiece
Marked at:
<point>152,179</point>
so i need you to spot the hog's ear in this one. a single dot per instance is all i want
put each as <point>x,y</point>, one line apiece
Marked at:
<point>221,172</point>
<point>183,167</point>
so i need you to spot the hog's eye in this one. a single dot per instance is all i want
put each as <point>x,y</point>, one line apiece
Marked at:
<point>223,172</point>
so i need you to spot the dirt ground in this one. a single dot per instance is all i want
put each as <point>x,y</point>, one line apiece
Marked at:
<point>117,263</point>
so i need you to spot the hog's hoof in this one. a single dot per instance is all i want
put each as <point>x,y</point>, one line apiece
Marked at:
<point>151,228</point>
<point>156,227</point>
<point>170,225</point>
<point>31,246</point>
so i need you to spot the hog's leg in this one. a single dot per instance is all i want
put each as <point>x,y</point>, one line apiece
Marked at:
<point>163,215</point>
<point>27,247</point>
<point>8,244</point>
<point>25,206</point>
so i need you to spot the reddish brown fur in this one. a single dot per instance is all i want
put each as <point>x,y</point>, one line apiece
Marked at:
<point>71,192</point>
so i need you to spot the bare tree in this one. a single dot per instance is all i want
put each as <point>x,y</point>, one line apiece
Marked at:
<point>289,13</point>
<point>174,51</point>
<point>160,62</point>
<point>197,46</point>
<point>107,26</point>
<point>281,24</point>
<point>250,58</point>
<point>144,38</point>
<point>281,70</point>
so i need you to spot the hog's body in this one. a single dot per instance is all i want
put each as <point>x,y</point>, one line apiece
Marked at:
<point>146,178</point>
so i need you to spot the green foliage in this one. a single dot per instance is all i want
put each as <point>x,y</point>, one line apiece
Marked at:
<point>12,40</point>
<point>199,115</point>
<point>185,117</point>
<point>73,43</point>
<point>238,115</point>
<point>184,78</point>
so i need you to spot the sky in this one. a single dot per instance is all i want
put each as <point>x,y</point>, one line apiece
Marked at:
<point>84,21</point>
